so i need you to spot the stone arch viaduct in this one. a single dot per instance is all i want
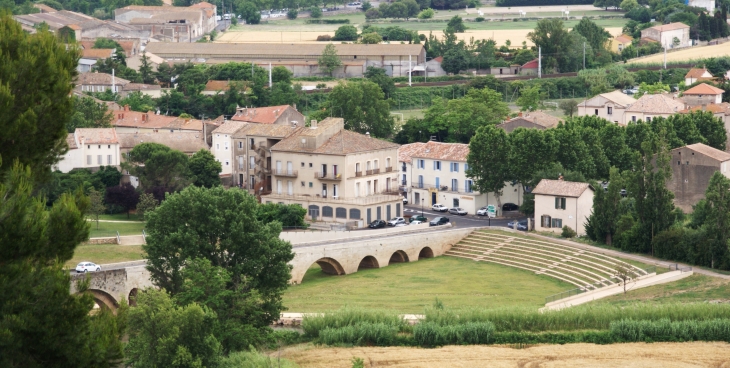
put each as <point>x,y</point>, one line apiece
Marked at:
<point>350,252</point>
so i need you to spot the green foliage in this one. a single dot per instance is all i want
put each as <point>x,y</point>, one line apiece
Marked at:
<point>220,226</point>
<point>36,75</point>
<point>426,14</point>
<point>457,120</point>
<point>717,223</point>
<point>455,60</point>
<point>568,232</point>
<point>106,43</point>
<point>366,334</point>
<point>157,165</point>
<point>327,21</point>
<point>204,169</point>
<point>629,5</point>
<point>371,39</point>
<point>667,330</point>
<point>607,209</point>
<point>147,203</point>
<point>393,33</point>
<point>357,362</point>
<point>345,33</point>
<point>651,89</point>
<point>292,14</point>
<point>541,2</point>
<point>289,215</point>
<point>488,160</point>
<point>471,333</point>
<point>138,101</point>
<point>530,151</point>
<point>124,197</point>
<point>553,37</point>
<point>363,106</point>
<point>89,114</point>
<point>530,99</point>
<point>96,205</point>
<point>315,12</point>
<point>35,242</point>
<point>250,13</point>
<point>254,359</point>
<point>313,325</point>
<point>569,107</point>
<point>162,334</point>
<point>455,25</point>
<point>329,61</point>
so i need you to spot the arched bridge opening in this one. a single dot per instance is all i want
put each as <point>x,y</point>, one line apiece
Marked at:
<point>330,266</point>
<point>103,299</point>
<point>368,262</point>
<point>398,257</point>
<point>426,252</point>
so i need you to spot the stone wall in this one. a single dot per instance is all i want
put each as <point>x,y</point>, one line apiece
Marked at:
<point>97,241</point>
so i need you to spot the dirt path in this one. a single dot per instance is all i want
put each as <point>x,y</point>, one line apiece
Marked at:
<point>632,355</point>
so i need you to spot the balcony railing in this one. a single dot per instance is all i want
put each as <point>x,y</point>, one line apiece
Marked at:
<point>444,188</point>
<point>389,169</point>
<point>358,173</point>
<point>368,172</point>
<point>371,199</point>
<point>327,176</point>
<point>376,171</point>
<point>289,173</point>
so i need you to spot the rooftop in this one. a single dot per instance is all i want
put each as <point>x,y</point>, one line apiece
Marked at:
<point>670,27</point>
<point>188,142</point>
<point>71,141</point>
<point>721,108</point>
<point>704,89</point>
<point>619,97</point>
<point>531,64</point>
<point>696,73</point>
<point>98,79</point>
<point>96,135</point>
<point>561,188</point>
<point>261,115</point>
<point>342,142</point>
<point>708,151</point>
<point>233,50</point>
<point>406,151</point>
<point>658,104</point>
<point>442,151</point>
<point>141,87</point>
<point>537,117</point>
<point>624,38</point>
<point>230,127</point>
<point>97,53</point>
<point>265,130</point>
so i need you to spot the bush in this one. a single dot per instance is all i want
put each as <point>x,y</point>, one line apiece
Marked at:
<point>315,12</point>
<point>321,86</point>
<point>324,38</point>
<point>541,2</point>
<point>568,232</point>
<point>315,324</point>
<point>327,21</point>
<point>345,33</point>
<point>373,13</point>
<point>479,19</point>
<point>427,13</point>
<point>292,14</point>
<point>667,330</point>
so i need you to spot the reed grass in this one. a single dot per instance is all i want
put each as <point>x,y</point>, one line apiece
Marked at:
<point>313,325</point>
<point>667,330</point>
<point>378,334</point>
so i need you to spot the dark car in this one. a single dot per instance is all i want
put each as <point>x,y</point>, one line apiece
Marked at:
<point>377,224</point>
<point>418,218</point>
<point>521,224</point>
<point>439,221</point>
<point>510,207</point>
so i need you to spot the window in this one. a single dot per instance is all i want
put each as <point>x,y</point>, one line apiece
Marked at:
<point>108,146</point>
<point>560,203</point>
<point>454,185</point>
<point>310,184</point>
<point>466,167</point>
<point>467,185</point>
<point>420,181</point>
<point>289,187</point>
<point>225,144</point>
<point>354,214</point>
<point>387,162</point>
<point>403,167</point>
<point>310,164</point>
<point>88,159</point>
<point>278,187</point>
<point>557,223</point>
<point>455,202</point>
<point>341,212</point>
<point>251,162</point>
<point>326,211</point>
<point>99,147</point>
<point>240,144</point>
<point>357,189</point>
<point>357,167</point>
<point>367,166</point>
<point>375,164</point>
<point>88,146</point>
<point>217,146</point>
<point>251,143</point>
<point>421,164</point>
<point>98,159</point>
<point>437,165</point>
<point>545,221</point>
<point>633,118</point>
<point>648,119</point>
<point>596,112</point>
<point>609,110</point>
<point>454,167</point>
<point>302,164</point>
<point>226,162</point>
<point>438,182</point>
<point>108,159</point>
<point>240,162</point>
<point>368,188</point>
<point>403,182</point>
<point>304,184</point>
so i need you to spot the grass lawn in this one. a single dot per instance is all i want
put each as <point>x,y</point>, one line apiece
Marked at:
<point>107,229</point>
<point>696,288</point>
<point>409,287</point>
<point>105,253</point>
<point>120,217</point>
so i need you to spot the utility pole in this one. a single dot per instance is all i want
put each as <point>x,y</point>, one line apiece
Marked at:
<point>410,70</point>
<point>269,75</point>
<point>665,57</point>
<point>584,55</point>
<point>539,62</point>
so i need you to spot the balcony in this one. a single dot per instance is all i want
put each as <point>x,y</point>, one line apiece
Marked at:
<point>389,169</point>
<point>328,176</point>
<point>287,173</point>
<point>364,200</point>
<point>376,171</point>
<point>368,172</point>
<point>358,174</point>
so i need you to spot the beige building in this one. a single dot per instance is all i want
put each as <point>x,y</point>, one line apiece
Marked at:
<point>692,167</point>
<point>90,148</point>
<point>336,174</point>
<point>168,23</point>
<point>702,94</point>
<point>222,147</point>
<point>435,172</point>
<point>619,43</point>
<point>531,119</point>
<point>561,203</point>
<point>672,35</point>
<point>650,106</point>
<point>697,74</point>
<point>610,106</point>
<point>252,155</point>
<point>99,82</point>
<point>282,114</point>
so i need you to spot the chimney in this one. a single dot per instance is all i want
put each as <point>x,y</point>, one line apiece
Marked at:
<point>560,178</point>
<point>145,117</point>
<point>313,124</point>
<point>294,123</point>
<point>519,114</point>
<point>126,107</point>
<point>295,106</point>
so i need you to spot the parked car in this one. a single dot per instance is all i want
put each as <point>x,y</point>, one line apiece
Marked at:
<point>457,211</point>
<point>87,266</point>
<point>377,224</point>
<point>510,207</point>
<point>438,207</point>
<point>400,224</point>
<point>439,221</point>
<point>396,220</point>
<point>521,224</point>
<point>405,200</point>
<point>417,222</point>
<point>482,211</point>
<point>418,218</point>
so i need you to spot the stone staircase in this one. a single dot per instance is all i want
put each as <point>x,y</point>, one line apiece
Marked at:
<point>585,269</point>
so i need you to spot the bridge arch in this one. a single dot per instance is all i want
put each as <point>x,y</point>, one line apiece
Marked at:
<point>368,262</point>
<point>426,252</point>
<point>330,266</point>
<point>132,298</point>
<point>398,257</point>
<point>104,299</point>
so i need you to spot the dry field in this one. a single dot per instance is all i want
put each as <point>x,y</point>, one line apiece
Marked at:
<point>500,36</point>
<point>692,53</point>
<point>634,355</point>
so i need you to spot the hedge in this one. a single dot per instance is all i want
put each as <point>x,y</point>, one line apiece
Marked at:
<point>327,21</point>
<point>542,2</point>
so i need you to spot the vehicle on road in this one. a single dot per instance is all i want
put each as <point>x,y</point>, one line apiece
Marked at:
<point>438,207</point>
<point>396,220</point>
<point>439,221</point>
<point>377,224</point>
<point>510,207</point>
<point>482,211</point>
<point>87,266</point>
<point>457,211</point>
<point>418,218</point>
<point>520,224</point>
<point>401,224</point>
<point>417,222</point>
<point>405,200</point>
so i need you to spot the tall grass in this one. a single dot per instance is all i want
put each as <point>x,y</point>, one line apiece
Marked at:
<point>430,334</point>
<point>666,330</point>
<point>379,334</point>
<point>576,318</point>
<point>314,324</point>
<point>254,359</point>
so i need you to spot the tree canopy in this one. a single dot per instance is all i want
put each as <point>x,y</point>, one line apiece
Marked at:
<point>363,106</point>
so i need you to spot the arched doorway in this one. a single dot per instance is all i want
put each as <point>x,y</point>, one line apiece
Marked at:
<point>398,257</point>
<point>368,262</point>
<point>425,253</point>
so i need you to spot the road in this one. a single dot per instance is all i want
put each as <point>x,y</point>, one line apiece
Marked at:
<point>462,221</point>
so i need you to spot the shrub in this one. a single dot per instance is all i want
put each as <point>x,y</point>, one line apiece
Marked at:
<point>345,33</point>
<point>372,13</point>
<point>667,330</point>
<point>379,334</point>
<point>292,14</point>
<point>315,12</point>
<point>327,21</point>
<point>324,38</point>
<point>479,19</point>
<point>428,334</point>
<point>321,86</point>
<point>314,324</point>
<point>568,232</point>
<point>427,13</point>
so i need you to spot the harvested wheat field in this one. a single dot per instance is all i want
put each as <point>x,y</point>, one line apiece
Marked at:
<point>666,355</point>
<point>692,53</point>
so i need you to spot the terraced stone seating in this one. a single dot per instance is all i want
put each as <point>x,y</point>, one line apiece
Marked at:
<point>585,269</point>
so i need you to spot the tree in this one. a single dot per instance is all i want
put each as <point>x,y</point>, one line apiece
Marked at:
<point>250,13</point>
<point>315,12</point>
<point>628,5</point>
<point>37,74</point>
<point>371,39</point>
<point>718,219</point>
<point>219,225</point>
<point>623,273</point>
<point>145,70</point>
<point>378,76</point>
<point>455,60</point>
<point>108,175</point>
<point>96,205</point>
<point>363,106</point>
<point>555,41</point>
<point>412,8</point>
<point>366,6</point>
<point>292,14</point>
<point>42,324</point>
<point>651,89</point>
<point>162,334</point>
<point>373,13</point>
<point>345,33</point>
<point>89,114</point>
<point>488,161</point>
<point>157,165</point>
<point>530,151</point>
<point>147,203</point>
<point>329,60</point>
<point>602,223</point>
<point>596,35</point>
<point>523,56</point>
<point>289,215</point>
<point>455,25</point>
<point>426,14</point>
<point>699,127</point>
<point>395,10</point>
<point>569,107</point>
<point>123,196</point>
<point>530,99</point>
<point>204,169</point>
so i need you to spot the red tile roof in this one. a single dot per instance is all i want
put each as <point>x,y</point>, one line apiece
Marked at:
<point>670,27</point>
<point>261,115</point>
<point>624,38</point>
<point>438,151</point>
<point>97,53</point>
<point>406,151</point>
<point>531,64</point>
<point>708,151</point>
<point>695,73</point>
<point>561,188</point>
<point>96,135</point>
<point>704,89</point>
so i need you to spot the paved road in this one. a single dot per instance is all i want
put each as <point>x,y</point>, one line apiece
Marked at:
<point>461,221</point>
<point>118,266</point>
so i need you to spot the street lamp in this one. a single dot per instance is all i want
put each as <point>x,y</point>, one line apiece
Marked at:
<point>422,207</point>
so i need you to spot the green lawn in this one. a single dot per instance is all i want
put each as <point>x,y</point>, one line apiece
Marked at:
<point>105,253</point>
<point>120,217</point>
<point>107,229</point>
<point>409,287</point>
<point>696,288</point>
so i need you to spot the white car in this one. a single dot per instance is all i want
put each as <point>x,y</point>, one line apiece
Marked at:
<point>405,200</point>
<point>88,266</point>
<point>396,220</point>
<point>400,224</point>
<point>438,207</point>
<point>416,222</point>
<point>482,211</point>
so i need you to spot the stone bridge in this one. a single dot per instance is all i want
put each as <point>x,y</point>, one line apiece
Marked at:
<point>110,286</point>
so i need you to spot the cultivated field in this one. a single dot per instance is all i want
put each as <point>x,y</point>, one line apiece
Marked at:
<point>667,355</point>
<point>409,287</point>
<point>692,53</point>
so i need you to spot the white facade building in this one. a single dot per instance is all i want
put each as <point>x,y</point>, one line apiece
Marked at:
<point>222,147</point>
<point>561,203</point>
<point>90,148</point>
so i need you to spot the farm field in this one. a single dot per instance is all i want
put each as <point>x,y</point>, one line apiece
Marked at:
<point>105,253</point>
<point>671,355</point>
<point>689,54</point>
<point>409,287</point>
